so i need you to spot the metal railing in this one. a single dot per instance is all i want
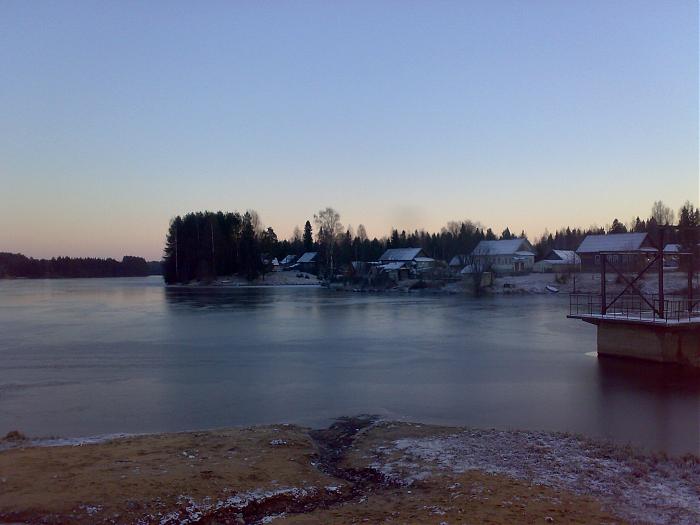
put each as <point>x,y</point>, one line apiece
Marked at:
<point>634,307</point>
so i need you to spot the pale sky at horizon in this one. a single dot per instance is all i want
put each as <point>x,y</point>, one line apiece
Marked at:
<point>117,116</point>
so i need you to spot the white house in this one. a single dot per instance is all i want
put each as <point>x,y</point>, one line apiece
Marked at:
<point>507,256</point>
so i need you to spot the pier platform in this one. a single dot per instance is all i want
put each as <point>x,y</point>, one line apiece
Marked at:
<point>630,329</point>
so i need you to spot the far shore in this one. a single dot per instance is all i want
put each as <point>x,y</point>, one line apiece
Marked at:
<point>358,470</point>
<point>527,284</point>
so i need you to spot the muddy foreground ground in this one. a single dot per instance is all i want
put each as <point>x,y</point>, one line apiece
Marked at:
<point>356,471</point>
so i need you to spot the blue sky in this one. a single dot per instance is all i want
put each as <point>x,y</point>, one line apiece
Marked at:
<point>116,116</point>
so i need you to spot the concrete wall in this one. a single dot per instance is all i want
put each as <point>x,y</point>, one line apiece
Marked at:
<point>652,343</point>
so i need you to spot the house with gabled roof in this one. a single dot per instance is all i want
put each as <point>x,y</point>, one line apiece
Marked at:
<point>288,260</point>
<point>402,262</point>
<point>626,251</point>
<point>558,261</point>
<point>308,262</point>
<point>507,256</point>
<point>458,262</point>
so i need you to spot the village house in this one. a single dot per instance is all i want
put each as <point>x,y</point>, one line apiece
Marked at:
<point>400,263</point>
<point>288,261</point>
<point>504,257</point>
<point>558,261</point>
<point>626,251</point>
<point>308,263</point>
<point>457,263</point>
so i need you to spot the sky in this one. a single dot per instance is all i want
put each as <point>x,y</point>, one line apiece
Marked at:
<point>117,116</point>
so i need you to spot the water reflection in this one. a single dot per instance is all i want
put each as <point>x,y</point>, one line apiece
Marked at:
<point>658,401</point>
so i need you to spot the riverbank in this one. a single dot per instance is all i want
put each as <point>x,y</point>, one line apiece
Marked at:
<point>358,470</point>
<point>529,284</point>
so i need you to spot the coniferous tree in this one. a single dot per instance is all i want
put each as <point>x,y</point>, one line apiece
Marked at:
<point>308,238</point>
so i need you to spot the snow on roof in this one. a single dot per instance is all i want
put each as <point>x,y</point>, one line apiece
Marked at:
<point>458,260</point>
<point>424,259</point>
<point>563,256</point>
<point>616,242</point>
<point>672,248</point>
<point>289,259</point>
<point>503,247</point>
<point>401,254</point>
<point>307,257</point>
<point>392,266</point>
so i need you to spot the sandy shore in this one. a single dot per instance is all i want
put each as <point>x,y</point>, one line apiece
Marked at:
<point>356,471</point>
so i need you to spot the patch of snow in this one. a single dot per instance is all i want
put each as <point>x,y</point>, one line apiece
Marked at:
<point>192,512</point>
<point>637,487</point>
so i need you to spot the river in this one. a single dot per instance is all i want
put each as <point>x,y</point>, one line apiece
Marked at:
<point>98,356</point>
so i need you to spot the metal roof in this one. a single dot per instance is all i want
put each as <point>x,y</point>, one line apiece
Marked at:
<point>503,247</point>
<point>616,242</point>
<point>307,257</point>
<point>401,254</point>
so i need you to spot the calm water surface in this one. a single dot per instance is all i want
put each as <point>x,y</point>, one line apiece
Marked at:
<point>95,356</point>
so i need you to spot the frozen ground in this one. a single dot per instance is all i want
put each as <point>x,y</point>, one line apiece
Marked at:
<point>639,488</point>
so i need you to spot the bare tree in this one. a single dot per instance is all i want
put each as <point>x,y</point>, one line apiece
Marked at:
<point>479,263</point>
<point>662,213</point>
<point>296,234</point>
<point>255,221</point>
<point>329,230</point>
<point>361,233</point>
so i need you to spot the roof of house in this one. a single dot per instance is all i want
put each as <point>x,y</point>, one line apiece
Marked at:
<point>458,260</point>
<point>563,257</point>
<point>393,266</point>
<point>289,259</point>
<point>672,248</point>
<point>307,257</point>
<point>504,247</point>
<point>615,242</point>
<point>401,254</point>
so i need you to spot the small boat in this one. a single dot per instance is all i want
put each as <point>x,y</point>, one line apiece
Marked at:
<point>552,289</point>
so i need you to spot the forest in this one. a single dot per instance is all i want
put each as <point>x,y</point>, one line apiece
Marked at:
<point>13,265</point>
<point>206,245</point>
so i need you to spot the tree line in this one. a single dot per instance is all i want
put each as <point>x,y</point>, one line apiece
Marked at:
<point>205,245</point>
<point>18,265</point>
<point>660,216</point>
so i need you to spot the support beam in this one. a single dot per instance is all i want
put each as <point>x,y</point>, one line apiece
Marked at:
<point>603,297</point>
<point>661,272</point>
<point>630,284</point>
